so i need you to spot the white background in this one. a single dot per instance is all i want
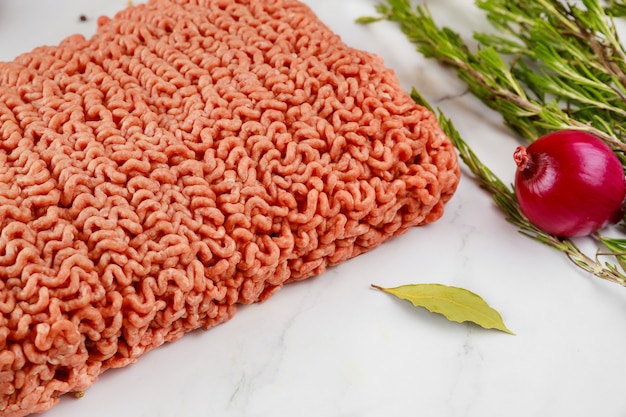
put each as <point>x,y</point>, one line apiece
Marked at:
<point>332,346</point>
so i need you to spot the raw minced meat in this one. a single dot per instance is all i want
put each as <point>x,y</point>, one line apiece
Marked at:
<point>189,157</point>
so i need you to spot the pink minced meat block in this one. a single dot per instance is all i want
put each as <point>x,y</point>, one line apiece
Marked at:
<point>189,157</point>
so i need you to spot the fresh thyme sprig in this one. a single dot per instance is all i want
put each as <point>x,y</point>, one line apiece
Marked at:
<point>551,65</point>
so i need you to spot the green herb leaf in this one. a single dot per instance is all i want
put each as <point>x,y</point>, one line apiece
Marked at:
<point>456,304</point>
<point>550,65</point>
<point>364,20</point>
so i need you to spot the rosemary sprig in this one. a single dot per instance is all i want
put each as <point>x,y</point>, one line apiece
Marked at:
<point>504,198</point>
<point>532,102</point>
<point>551,65</point>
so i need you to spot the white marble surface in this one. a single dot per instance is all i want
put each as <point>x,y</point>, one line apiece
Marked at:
<point>332,346</point>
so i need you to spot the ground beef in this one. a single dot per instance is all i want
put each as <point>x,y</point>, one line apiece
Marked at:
<point>191,156</point>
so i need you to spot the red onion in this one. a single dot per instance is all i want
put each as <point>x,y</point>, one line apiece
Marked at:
<point>569,183</point>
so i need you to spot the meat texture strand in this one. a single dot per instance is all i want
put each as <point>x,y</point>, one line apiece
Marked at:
<point>192,155</point>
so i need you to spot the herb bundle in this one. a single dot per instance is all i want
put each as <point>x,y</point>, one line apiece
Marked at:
<point>546,65</point>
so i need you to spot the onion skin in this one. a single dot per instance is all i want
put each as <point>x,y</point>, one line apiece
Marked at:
<point>569,183</point>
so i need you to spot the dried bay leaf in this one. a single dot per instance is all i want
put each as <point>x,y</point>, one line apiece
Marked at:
<point>456,304</point>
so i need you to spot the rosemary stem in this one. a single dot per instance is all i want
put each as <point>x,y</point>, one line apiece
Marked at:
<point>557,42</point>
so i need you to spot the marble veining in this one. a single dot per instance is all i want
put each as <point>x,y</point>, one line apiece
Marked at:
<point>334,347</point>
